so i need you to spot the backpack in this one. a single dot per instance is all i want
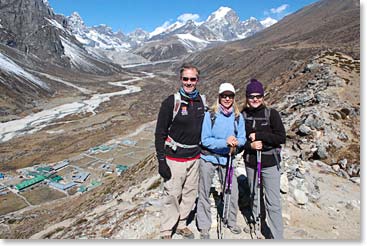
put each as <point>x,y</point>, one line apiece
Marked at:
<point>177,103</point>
<point>274,151</point>
<point>176,107</point>
<point>213,116</point>
<point>254,119</point>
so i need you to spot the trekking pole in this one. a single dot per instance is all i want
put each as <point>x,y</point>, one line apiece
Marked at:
<point>219,216</point>
<point>227,188</point>
<point>219,226</point>
<point>258,215</point>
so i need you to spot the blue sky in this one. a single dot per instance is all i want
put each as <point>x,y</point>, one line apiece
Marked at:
<point>128,15</point>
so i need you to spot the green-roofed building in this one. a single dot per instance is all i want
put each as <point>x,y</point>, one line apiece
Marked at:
<point>82,189</point>
<point>56,178</point>
<point>105,148</point>
<point>30,182</point>
<point>95,183</point>
<point>34,173</point>
<point>101,148</point>
<point>44,169</point>
<point>120,169</point>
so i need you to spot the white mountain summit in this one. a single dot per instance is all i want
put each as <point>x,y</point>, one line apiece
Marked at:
<point>171,39</point>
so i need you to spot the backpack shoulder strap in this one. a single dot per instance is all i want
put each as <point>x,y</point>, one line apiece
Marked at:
<point>253,119</point>
<point>237,119</point>
<point>244,114</point>
<point>235,123</point>
<point>267,114</point>
<point>213,116</point>
<point>203,99</point>
<point>177,104</point>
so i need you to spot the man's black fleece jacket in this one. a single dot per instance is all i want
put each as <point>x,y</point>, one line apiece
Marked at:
<point>185,129</point>
<point>272,135</point>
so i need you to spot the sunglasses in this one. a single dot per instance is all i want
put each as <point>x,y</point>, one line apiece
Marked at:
<point>192,79</point>
<point>255,96</point>
<point>230,96</point>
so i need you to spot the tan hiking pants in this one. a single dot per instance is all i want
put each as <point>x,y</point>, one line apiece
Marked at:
<point>179,194</point>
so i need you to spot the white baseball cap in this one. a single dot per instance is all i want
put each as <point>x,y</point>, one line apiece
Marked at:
<point>226,87</point>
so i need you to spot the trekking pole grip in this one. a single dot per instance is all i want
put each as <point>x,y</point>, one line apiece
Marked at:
<point>232,150</point>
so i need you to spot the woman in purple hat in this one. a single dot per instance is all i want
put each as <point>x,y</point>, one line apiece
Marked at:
<point>265,133</point>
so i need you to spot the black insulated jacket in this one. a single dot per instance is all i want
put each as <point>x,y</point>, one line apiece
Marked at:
<point>271,133</point>
<point>185,129</point>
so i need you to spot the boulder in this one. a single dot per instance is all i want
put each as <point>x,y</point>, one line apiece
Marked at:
<point>321,152</point>
<point>305,129</point>
<point>336,168</point>
<point>300,197</point>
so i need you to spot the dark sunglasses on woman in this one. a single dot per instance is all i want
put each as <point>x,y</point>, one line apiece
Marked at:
<point>255,96</point>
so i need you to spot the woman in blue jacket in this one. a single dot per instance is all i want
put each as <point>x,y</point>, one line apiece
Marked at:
<point>223,128</point>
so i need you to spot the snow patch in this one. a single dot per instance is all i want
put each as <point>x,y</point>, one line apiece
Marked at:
<point>166,27</point>
<point>81,39</point>
<point>268,22</point>
<point>191,42</point>
<point>77,55</point>
<point>45,2</point>
<point>189,36</point>
<point>10,67</point>
<point>55,24</point>
<point>219,14</point>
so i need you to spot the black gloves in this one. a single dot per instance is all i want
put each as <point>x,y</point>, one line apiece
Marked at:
<point>163,169</point>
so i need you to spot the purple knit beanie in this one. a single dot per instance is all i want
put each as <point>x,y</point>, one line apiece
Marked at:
<point>254,87</point>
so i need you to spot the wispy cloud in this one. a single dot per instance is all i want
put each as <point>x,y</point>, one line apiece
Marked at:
<point>187,16</point>
<point>277,11</point>
<point>280,9</point>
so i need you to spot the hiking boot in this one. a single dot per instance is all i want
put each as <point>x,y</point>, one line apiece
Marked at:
<point>235,229</point>
<point>204,234</point>
<point>166,237</point>
<point>186,233</point>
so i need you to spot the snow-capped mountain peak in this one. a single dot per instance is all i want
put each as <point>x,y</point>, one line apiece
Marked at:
<point>268,22</point>
<point>219,14</point>
<point>101,36</point>
<point>45,2</point>
<point>222,25</point>
<point>75,19</point>
<point>166,27</point>
<point>76,24</point>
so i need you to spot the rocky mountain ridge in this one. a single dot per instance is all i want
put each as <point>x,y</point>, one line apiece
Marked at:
<point>35,41</point>
<point>177,39</point>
